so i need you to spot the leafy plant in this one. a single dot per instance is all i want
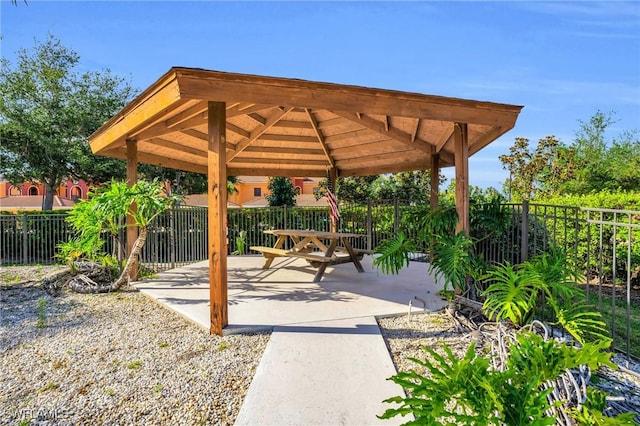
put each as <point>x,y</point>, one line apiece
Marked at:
<point>106,210</point>
<point>512,294</point>
<point>547,280</point>
<point>241,243</point>
<point>453,260</point>
<point>467,391</point>
<point>590,413</point>
<point>394,254</point>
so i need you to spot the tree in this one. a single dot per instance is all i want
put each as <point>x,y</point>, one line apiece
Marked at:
<point>605,165</point>
<point>539,172</point>
<point>182,183</point>
<point>590,164</point>
<point>283,192</point>
<point>104,211</point>
<point>354,189</point>
<point>48,110</point>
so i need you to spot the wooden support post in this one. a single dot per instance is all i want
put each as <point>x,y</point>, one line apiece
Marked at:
<point>435,181</point>
<point>462,176</point>
<point>132,178</point>
<point>334,177</point>
<point>217,202</point>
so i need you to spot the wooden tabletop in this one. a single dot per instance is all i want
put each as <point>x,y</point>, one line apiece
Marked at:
<point>311,233</point>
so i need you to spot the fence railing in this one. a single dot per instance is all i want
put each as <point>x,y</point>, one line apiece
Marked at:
<point>603,243</point>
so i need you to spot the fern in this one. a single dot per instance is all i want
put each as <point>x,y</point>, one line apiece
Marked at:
<point>511,294</point>
<point>393,254</point>
<point>452,260</point>
<point>580,320</point>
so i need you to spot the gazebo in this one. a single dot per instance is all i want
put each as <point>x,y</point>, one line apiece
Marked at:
<point>222,124</point>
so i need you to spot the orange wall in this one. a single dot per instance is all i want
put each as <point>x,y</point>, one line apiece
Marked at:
<point>246,190</point>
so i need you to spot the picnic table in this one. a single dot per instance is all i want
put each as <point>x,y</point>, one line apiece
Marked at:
<point>320,249</point>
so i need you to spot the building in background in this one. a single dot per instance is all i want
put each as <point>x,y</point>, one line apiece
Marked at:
<point>252,191</point>
<point>30,195</point>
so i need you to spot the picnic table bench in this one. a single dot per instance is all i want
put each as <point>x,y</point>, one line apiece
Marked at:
<point>319,248</point>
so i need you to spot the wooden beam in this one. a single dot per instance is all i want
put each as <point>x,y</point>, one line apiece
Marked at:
<point>320,136</point>
<point>202,84</point>
<point>275,162</point>
<point>217,217</point>
<point>291,124</point>
<point>485,139</point>
<point>132,229</point>
<point>382,128</point>
<point>161,129</point>
<point>177,147</point>
<point>282,151</point>
<point>259,131</point>
<point>238,130</point>
<point>435,181</point>
<point>159,160</point>
<point>416,127</point>
<point>152,104</point>
<point>391,168</point>
<point>446,137</point>
<point>288,138</point>
<point>258,118</point>
<point>197,109</point>
<point>462,176</point>
<point>397,156</point>
<point>250,170</point>
<point>333,175</point>
<point>195,134</point>
<point>244,109</point>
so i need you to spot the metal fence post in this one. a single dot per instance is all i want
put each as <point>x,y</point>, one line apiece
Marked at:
<point>396,215</point>
<point>524,237</point>
<point>369,226</point>
<point>25,241</point>
<point>172,237</point>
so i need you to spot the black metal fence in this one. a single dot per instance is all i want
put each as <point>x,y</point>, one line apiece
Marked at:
<point>604,243</point>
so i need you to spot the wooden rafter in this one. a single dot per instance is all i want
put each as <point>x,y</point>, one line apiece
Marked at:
<point>177,146</point>
<point>199,108</point>
<point>363,159</point>
<point>485,139</point>
<point>416,128</point>
<point>277,170</point>
<point>238,130</point>
<point>287,151</point>
<point>259,131</point>
<point>320,136</point>
<point>244,109</point>
<point>446,137</point>
<point>393,133</point>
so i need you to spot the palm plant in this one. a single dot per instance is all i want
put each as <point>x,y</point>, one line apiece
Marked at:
<point>105,210</point>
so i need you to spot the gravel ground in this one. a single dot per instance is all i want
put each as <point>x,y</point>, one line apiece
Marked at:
<point>405,338</point>
<point>113,359</point>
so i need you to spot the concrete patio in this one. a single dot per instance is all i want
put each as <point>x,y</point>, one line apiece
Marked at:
<point>284,295</point>
<point>326,362</point>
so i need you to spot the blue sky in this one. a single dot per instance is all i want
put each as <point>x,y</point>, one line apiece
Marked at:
<point>561,60</point>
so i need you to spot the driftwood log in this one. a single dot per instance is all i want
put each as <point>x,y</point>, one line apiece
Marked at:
<point>87,277</point>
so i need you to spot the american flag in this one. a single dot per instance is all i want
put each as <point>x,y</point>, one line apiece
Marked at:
<point>331,199</point>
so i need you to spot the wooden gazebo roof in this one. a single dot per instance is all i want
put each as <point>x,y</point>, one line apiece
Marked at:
<point>289,127</point>
<point>233,124</point>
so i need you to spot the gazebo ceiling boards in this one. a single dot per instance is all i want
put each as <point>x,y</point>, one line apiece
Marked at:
<point>288,127</point>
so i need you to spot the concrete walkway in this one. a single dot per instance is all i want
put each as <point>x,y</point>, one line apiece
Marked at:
<point>326,362</point>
